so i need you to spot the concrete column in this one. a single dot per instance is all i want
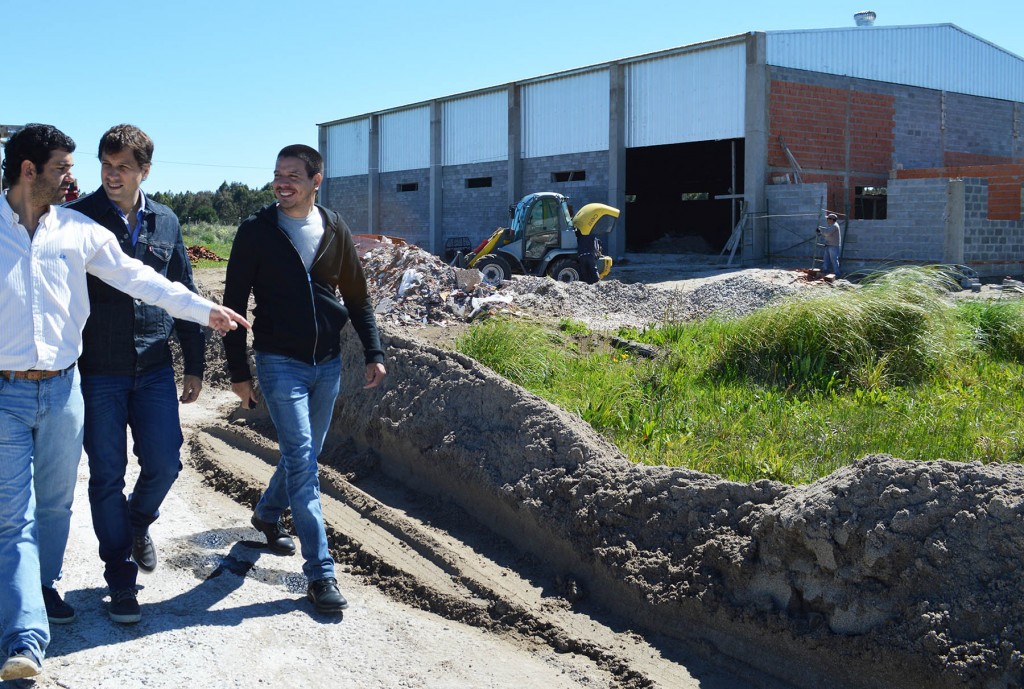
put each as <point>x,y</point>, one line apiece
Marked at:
<point>953,246</point>
<point>515,146</point>
<point>755,149</point>
<point>617,157</point>
<point>323,197</point>
<point>373,178</point>
<point>436,231</point>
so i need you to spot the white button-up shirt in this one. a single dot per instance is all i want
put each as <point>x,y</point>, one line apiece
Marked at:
<point>44,301</point>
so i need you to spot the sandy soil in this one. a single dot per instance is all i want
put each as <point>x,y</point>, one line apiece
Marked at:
<point>487,539</point>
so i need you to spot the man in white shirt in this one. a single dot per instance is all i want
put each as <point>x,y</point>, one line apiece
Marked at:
<point>45,253</point>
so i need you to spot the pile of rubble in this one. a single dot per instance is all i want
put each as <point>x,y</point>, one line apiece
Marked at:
<point>196,253</point>
<point>411,286</point>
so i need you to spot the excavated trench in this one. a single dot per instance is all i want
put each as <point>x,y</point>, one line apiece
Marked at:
<point>466,495</point>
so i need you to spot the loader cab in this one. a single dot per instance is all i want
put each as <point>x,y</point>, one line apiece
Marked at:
<point>543,222</point>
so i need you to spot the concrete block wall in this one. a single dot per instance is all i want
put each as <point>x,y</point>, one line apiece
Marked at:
<point>913,233</point>
<point>349,196</point>
<point>594,189</point>
<point>978,126</point>
<point>918,129</point>
<point>406,214</point>
<point>794,211</point>
<point>1003,180</point>
<point>474,212</point>
<point>992,247</point>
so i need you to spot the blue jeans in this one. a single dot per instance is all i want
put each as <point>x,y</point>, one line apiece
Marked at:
<point>40,447</point>
<point>830,262</point>
<point>300,399</point>
<point>148,404</point>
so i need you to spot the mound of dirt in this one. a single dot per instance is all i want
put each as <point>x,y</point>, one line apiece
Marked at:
<point>886,573</point>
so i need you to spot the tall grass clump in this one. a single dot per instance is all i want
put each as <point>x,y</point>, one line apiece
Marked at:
<point>525,353</point>
<point>897,329</point>
<point>998,327</point>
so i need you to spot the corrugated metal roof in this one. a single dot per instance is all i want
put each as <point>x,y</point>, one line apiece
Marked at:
<point>475,128</point>
<point>405,140</point>
<point>691,96</point>
<point>348,148</point>
<point>567,115</point>
<point>936,56</point>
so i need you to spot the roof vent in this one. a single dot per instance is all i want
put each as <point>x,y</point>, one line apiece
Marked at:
<point>865,18</point>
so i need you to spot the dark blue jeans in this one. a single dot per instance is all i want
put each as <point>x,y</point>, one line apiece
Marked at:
<point>148,405</point>
<point>300,399</point>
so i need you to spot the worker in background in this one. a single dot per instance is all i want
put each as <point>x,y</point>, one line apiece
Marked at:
<point>127,370</point>
<point>45,253</point>
<point>587,249</point>
<point>833,242</point>
<point>292,256</point>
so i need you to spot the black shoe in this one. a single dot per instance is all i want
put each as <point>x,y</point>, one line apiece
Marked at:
<point>57,611</point>
<point>143,551</point>
<point>325,596</point>
<point>19,665</point>
<point>278,539</point>
<point>124,606</point>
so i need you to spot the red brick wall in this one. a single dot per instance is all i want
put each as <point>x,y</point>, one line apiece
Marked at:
<point>1004,183</point>
<point>818,123</point>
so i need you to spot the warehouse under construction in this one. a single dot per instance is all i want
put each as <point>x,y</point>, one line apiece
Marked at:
<point>913,135</point>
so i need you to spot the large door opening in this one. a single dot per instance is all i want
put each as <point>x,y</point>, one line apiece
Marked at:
<point>678,196</point>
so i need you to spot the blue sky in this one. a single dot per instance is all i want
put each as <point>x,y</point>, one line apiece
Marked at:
<point>221,86</point>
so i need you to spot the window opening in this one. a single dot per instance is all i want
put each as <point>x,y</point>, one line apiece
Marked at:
<point>870,203</point>
<point>569,176</point>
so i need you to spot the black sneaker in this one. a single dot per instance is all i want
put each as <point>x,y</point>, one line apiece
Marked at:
<point>57,611</point>
<point>124,606</point>
<point>278,539</point>
<point>325,596</point>
<point>19,665</point>
<point>143,551</point>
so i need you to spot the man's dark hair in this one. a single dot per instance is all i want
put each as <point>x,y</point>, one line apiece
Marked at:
<point>35,142</point>
<point>130,137</point>
<point>307,154</point>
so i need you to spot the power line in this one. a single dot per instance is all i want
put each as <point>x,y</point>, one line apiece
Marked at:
<point>238,167</point>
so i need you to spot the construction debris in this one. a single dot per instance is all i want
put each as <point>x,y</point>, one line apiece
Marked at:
<point>411,286</point>
<point>197,253</point>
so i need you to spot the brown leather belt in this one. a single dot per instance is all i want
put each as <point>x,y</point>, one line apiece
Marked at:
<point>32,374</point>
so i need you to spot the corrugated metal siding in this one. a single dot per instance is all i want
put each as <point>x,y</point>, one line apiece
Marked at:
<point>475,129</point>
<point>941,57</point>
<point>405,140</point>
<point>348,148</point>
<point>565,115</point>
<point>697,96</point>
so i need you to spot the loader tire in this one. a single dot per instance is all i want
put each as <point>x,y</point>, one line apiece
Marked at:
<point>494,268</point>
<point>565,270</point>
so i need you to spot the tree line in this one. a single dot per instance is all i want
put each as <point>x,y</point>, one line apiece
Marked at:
<point>229,205</point>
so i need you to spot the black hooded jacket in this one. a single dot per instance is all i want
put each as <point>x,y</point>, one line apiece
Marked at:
<point>297,314</point>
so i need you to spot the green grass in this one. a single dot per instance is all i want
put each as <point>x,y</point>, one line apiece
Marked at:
<point>795,390</point>
<point>216,238</point>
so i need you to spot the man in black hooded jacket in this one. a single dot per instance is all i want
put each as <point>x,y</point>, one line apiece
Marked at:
<point>292,256</point>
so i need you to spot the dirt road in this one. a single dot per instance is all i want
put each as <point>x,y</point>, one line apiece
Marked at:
<point>222,612</point>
